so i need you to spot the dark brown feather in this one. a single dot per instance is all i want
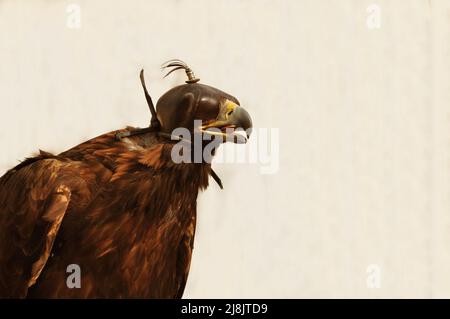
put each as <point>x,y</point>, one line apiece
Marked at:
<point>121,210</point>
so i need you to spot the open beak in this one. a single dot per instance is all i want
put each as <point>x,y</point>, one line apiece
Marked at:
<point>233,124</point>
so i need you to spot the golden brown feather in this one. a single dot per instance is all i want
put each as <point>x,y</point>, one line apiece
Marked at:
<point>121,210</point>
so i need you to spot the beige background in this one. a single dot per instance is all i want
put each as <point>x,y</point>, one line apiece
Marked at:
<point>363,117</point>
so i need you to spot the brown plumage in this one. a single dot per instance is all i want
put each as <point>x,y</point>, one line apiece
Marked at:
<point>121,209</point>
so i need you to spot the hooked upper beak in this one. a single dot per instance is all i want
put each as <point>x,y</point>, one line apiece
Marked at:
<point>233,123</point>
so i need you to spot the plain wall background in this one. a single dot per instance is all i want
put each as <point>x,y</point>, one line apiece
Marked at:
<point>363,117</point>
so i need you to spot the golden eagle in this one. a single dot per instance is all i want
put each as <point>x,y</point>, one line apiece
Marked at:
<point>117,206</point>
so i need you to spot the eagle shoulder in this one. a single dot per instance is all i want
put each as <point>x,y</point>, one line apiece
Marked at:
<point>34,199</point>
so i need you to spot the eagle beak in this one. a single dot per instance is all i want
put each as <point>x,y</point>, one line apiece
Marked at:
<point>233,123</point>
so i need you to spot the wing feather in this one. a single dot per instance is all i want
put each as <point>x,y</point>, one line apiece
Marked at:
<point>34,199</point>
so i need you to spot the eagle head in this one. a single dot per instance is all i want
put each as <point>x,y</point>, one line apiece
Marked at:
<point>202,109</point>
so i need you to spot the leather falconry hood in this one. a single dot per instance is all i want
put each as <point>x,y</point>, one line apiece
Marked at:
<point>220,113</point>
